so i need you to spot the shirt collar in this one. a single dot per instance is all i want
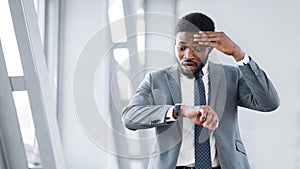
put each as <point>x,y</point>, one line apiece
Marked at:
<point>205,69</point>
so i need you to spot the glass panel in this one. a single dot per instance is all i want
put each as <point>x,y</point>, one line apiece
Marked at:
<point>140,27</point>
<point>14,68</point>
<point>136,164</point>
<point>27,128</point>
<point>117,21</point>
<point>8,40</point>
<point>121,55</point>
<point>36,4</point>
<point>40,8</point>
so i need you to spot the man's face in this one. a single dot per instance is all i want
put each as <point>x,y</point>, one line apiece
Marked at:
<point>190,55</point>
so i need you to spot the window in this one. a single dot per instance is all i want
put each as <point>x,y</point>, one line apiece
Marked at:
<point>14,68</point>
<point>117,21</point>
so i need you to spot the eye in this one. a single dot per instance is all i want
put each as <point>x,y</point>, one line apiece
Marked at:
<point>181,48</point>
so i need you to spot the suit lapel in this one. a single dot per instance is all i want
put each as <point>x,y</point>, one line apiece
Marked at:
<point>173,81</point>
<point>217,87</point>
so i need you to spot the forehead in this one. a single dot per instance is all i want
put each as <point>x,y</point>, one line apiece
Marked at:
<point>185,37</point>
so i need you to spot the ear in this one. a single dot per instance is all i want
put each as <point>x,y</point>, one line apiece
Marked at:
<point>174,41</point>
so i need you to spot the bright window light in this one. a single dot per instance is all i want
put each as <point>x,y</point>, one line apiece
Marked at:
<point>9,42</point>
<point>36,4</point>
<point>24,115</point>
<point>21,100</point>
<point>140,27</point>
<point>123,82</point>
<point>27,128</point>
<point>121,54</point>
<point>117,21</point>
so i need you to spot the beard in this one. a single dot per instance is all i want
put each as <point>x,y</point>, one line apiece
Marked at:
<point>189,68</point>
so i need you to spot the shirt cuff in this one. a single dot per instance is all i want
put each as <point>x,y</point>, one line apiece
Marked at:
<point>169,115</point>
<point>244,61</point>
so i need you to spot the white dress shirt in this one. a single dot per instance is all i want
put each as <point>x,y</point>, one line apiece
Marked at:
<point>187,154</point>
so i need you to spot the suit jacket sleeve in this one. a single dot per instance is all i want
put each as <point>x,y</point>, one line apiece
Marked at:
<point>256,91</point>
<point>143,111</point>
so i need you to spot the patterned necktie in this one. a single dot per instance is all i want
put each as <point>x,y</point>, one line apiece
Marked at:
<point>202,145</point>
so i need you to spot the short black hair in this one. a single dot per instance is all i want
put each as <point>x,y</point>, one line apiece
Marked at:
<point>195,22</point>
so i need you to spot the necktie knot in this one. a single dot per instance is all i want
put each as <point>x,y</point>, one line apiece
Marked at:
<point>199,74</point>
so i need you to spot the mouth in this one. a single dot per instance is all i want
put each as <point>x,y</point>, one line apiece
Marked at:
<point>189,64</point>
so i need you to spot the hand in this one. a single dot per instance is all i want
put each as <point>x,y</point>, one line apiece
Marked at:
<point>201,115</point>
<point>220,41</point>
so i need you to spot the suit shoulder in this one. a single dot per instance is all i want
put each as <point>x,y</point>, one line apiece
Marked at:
<point>230,68</point>
<point>161,72</point>
<point>231,72</point>
<point>226,67</point>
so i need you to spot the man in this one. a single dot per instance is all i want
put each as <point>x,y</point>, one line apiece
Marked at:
<point>193,104</point>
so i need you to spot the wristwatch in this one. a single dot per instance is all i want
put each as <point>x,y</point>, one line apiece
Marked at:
<point>177,110</point>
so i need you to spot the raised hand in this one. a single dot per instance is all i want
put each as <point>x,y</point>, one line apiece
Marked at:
<point>221,42</point>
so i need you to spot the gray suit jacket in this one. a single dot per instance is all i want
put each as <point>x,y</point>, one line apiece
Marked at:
<point>230,87</point>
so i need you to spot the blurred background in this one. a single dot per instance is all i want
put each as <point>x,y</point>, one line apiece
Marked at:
<point>68,68</point>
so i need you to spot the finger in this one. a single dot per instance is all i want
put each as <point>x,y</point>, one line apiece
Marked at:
<point>198,118</point>
<point>204,114</point>
<point>209,120</point>
<point>205,34</point>
<point>211,34</point>
<point>214,39</point>
<point>200,35</point>
<point>214,44</point>
<point>202,39</point>
<point>212,121</point>
<point>211,127</point>
<point>205,43</point>
<point>208,34</point>
<point>195,118</point>
<point>215,121</point>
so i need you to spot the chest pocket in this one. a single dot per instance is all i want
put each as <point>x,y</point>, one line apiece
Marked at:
<point>240,147</point>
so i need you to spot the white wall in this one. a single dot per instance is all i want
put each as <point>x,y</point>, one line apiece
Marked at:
<point>268,31</point>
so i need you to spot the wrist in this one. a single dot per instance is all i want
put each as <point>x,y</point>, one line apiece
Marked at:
<point>238,55</point>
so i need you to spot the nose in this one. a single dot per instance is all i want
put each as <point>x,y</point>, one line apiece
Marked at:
<point>188,53</point>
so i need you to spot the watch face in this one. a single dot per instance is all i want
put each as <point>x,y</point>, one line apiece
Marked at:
<point>177,110</point>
